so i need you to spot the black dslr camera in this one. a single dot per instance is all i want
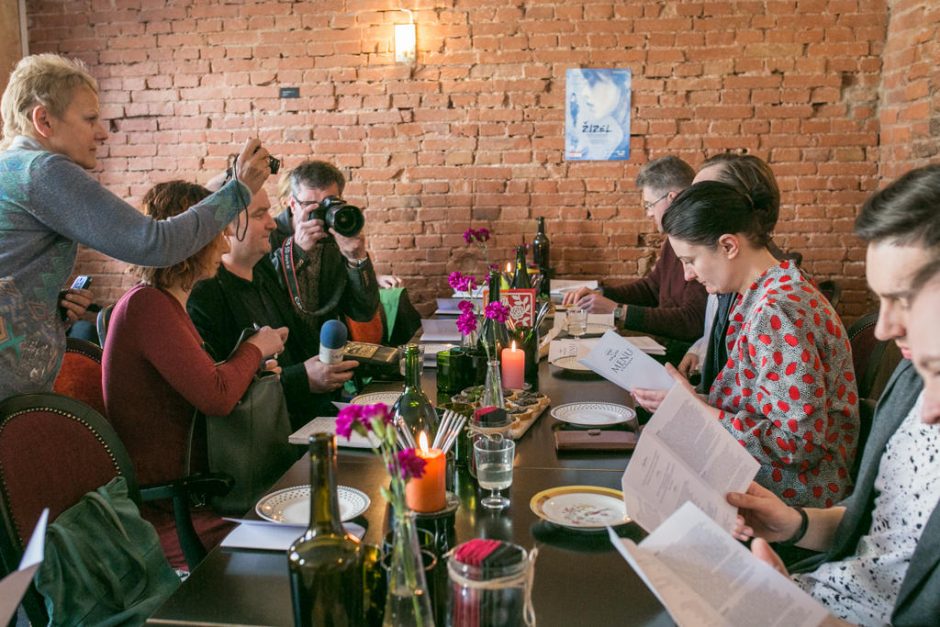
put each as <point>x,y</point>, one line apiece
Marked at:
<point>339,215</point>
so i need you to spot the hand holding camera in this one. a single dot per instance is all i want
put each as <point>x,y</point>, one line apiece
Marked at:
<point>334,218</point>
<point>254,165</point>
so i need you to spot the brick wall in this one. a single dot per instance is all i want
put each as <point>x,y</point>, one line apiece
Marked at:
<point>472,134</point>
<point>909,110</point>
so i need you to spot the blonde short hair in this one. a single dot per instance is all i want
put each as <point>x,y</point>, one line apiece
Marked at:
<point>161,202</point>
<point>40,79</point>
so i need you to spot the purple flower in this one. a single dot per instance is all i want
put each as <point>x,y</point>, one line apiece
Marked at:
<point>455,279</point>
<point>467,322</point>
<point>497,311</point>
<point>379,410</point>
<point>480,235</point>
<point>483,234</point>
<point>461,282</point>
<point>347,419</point>
<point>411,465</point>
<point>465,306</point>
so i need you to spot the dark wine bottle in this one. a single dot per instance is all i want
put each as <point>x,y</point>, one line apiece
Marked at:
<point>325,562</point>
<point>541,256</point>
<point>520,279</point>
<point>414,407</point>
<point>493,335</point>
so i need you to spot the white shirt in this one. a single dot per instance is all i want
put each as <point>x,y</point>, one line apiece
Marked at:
<point>863,588</point>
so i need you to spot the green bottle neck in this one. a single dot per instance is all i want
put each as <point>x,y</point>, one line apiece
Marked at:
<point>324,499</point>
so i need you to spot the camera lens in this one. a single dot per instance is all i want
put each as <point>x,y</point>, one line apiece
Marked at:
<point>274,164</point>
<point>347,220</point>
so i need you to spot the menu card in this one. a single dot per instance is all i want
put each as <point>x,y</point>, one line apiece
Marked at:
<point>618,360</point>
<point>703,576</point>
<point>440,330</point>
<point>685,455</point>
<point>570,348</point>
<point>14,585</point>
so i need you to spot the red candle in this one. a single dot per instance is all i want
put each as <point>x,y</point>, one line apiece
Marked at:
<point>427,494</point>
<point>513,368</point>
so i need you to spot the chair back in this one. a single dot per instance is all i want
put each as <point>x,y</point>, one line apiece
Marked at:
<point>80,375</point>
<point>873,359</point>
<point>102,321</point>
<point>53,450</point>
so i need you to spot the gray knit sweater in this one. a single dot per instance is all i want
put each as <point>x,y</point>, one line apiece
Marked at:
<point>48,205</point>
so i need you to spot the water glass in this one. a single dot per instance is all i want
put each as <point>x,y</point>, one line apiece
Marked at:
<point>577,322</point>
<point>494,456</point>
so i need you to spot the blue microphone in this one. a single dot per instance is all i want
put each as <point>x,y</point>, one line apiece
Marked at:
<point>333,335</point>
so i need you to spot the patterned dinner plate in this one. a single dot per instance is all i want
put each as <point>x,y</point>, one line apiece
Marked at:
<point>584,507</point>
<point>291,506</point>
<point>372,398</point>
<point>594,414</point>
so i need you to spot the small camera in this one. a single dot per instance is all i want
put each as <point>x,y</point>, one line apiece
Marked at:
<point>274,164</point>
<point>339,215</point>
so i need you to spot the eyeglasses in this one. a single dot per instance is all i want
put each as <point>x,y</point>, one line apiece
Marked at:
<point>306,204</point>
<point>649,204</point>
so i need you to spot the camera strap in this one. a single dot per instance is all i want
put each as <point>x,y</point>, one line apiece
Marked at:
<point>289,269</point>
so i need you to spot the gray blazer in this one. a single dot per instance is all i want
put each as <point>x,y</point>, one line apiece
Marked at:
<point>918,601</point>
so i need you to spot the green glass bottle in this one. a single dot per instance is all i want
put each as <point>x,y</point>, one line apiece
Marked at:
<point>541,255</point>
<point>413,406</point>
<point>325,562</point>
<point>520,279</point>
<point>493,335</point>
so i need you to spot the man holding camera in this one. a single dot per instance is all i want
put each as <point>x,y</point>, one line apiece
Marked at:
<point>320,252</point>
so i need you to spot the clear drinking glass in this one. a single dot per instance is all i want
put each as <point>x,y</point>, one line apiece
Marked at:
<point>577,322</point>
<point>494,456</point>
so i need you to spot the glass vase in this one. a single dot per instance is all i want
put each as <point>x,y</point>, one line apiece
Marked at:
<point>408,603</point>
<point>493,386</point>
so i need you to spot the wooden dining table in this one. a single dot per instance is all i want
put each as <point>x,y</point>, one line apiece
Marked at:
<point>580,578</point>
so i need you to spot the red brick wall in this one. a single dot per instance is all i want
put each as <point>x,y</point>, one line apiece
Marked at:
<point>473,133</point>
<point>909,110</point>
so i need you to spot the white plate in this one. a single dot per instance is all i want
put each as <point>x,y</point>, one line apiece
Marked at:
<point>571,363</point>
<point>291,506</point>
<point>372,398</point>
<point>582,507</point>
<point>593,414</point>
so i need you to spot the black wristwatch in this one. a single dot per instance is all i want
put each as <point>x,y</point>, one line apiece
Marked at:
<point>804,523</point>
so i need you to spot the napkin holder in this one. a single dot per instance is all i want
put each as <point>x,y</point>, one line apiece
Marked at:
<point>594,440</point>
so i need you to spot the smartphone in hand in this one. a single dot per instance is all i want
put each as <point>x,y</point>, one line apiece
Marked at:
<point>81,282</point>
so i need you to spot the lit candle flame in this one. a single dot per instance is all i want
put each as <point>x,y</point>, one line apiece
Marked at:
<point>423,442</point>
<point>514,345</point>
<point>508,267</point>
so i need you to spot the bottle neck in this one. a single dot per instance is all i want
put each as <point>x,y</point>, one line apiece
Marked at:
<point>541,226</point>
<point>412,369</point>
<point>324,499</point>
<point>494,287</point>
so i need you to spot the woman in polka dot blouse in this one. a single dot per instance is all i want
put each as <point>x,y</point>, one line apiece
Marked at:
<point>787,391</point>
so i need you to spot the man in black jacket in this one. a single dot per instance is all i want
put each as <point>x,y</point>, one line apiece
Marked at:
<point>245,292</point>
<point>327,274</point>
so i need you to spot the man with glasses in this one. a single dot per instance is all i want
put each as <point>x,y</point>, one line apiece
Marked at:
<point>663,303</point>
<point>332,273</point>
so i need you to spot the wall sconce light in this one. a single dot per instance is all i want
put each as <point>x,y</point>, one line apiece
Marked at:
<point>405,43</point>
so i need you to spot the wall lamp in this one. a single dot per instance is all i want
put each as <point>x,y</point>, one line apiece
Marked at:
<point>405,40</point>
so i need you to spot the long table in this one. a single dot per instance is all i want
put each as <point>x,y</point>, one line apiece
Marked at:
<point>580,579</point>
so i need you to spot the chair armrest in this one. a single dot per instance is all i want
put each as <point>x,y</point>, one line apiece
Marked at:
<point>199,485</point>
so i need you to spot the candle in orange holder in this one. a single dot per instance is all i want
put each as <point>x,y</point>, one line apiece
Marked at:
<point>513,368</point>
<point>427,494</point>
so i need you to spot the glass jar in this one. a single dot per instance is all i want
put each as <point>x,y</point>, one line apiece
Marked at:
<point>484,594</point>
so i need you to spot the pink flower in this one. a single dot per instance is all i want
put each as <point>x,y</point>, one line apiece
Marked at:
<point>379,410</point>
<point>467,322</point>
<point>483,234</point>
<point>469,235</point>
<point>497,311</point>
<point>411,465</point>
<point>347,420</point>
<point>461,282</point>
<point>465,306</point>
<point>480,235</point>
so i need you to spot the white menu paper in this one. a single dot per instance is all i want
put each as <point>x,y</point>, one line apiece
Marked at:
<point>440,330</point>
<point>618,360</point>
<point>570,348</point>
<point>685,455</point>
<point>327,424</point>
<point>704,577</point>
<point>14,585</point>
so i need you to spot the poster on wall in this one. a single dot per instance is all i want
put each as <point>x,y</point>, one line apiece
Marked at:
<point>597,114</point>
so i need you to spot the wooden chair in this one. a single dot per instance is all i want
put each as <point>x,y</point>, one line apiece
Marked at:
<point>874,359</point>
<point>53,450</point>
<point>80,375</point>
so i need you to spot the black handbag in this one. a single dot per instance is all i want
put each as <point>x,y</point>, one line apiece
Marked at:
<point>250,444</point>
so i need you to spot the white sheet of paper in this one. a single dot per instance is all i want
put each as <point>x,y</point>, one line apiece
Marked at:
<point>560,286</point>
<point>431,350</point>
<point>703,576</point>
<point>685,455</point>
<point>561,320</point>
<point>451,306</point>
<point>14,585</point>
<point>621,362</point>
<point>328,425</point>
<point>647,344</point>
<point>439,330</point>
<point>263,535</point>
<point>570,348</point>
